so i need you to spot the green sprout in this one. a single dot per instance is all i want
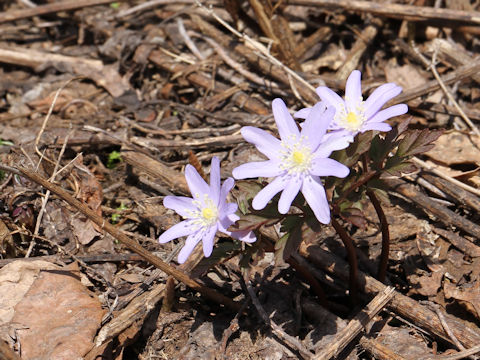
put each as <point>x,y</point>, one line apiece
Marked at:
<point>116,216</point>
<point>113,159</point>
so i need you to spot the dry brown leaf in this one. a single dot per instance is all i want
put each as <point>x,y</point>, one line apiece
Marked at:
<point>7,246</point>
<point>57,318</point>
<point>15,280</point>
<point>407,76</point>
<point>456,148</point>
<point>91,193</point>
<point>468,295</point>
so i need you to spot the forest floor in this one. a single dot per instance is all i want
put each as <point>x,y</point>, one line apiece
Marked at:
<point>103,104</point>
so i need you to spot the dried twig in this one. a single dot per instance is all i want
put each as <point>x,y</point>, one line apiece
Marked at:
<point>277,330</point>
<point>356,325</point>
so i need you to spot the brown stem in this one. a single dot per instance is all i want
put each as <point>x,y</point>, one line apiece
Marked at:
<point>322,299</point>
<point>352,259</point>
<point>120,236</point>
<point>382,266</point>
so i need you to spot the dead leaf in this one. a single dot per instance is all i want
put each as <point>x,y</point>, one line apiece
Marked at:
<point>468,295</point>
<point>15,280</point>
<point>456,148</point>
<point>91,193</point>
<point>7,246</point>
<point>58,318</point>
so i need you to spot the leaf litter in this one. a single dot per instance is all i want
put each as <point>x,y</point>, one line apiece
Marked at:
<point>149,93</point>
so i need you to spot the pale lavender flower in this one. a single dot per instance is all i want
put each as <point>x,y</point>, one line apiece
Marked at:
<point>205,214</point>
<point>354,115</point>
<point>296,161</point>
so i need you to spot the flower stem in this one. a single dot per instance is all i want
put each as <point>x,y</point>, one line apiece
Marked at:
<point>352,259</point>
<point>382,266</point>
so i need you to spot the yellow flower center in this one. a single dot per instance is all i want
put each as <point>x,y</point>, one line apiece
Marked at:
<point>352,119</point>
<point>209,213</point>
<point>206,213</point>
<point>298,157</point>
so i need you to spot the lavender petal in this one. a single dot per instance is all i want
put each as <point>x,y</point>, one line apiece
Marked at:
<point>215,180</point>
<point>372,107</point>
<point>285,123</point>
<point>190,244</point>
<point>268,192</point>
<point>353,90</point>
<point>316,198</point>
<point>208,240</point>
<point>289,194</point>
<point>330,97</point>
<point>198,187</point>
<point>183,228</point>
<point>182,205</point>
<point>265,142</point>
<point>389,112</point>
<point>329,167</point>
<point>255,169</point>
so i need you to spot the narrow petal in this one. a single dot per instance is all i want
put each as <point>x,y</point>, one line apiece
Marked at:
<point>330,97</point>
<point>227,209</point>
<point>225,222</point>
<point>208,240</point>
<point>314,193</point>
<point>285,123</point>
<point>329,167</point>
<point>182,205</point>
<point>198,187</point>
<point>381,98</point>
<point>353,90</point>
<point>183,228</point>
<point>256,169</point>
<point>317,123</point>
<point>225,189</point>
<point>378,92</point>
<point>333,141</point>
<point>265,142</point>
<point>379,126</point>
<point>302,113</point>
<point>389,112</point>
<point>289,194</point>
<point>245,236</point>
<point>190,244</point>
<point>268,192</point>
<point>215,180</point>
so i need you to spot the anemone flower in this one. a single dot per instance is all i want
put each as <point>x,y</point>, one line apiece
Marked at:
<point>205,214</point>
<point>354,115</point>
<point>296,161</point>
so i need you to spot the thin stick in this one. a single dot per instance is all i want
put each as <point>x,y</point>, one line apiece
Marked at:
<point>263,50</point>
<point>460,184</point>
<point>408,12</point>
<point>356,325</point>
<point>277,330</point>
<point>120,236</point>
<point>382,266</point>
<point>50,8</point>
<point>352,259</point>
